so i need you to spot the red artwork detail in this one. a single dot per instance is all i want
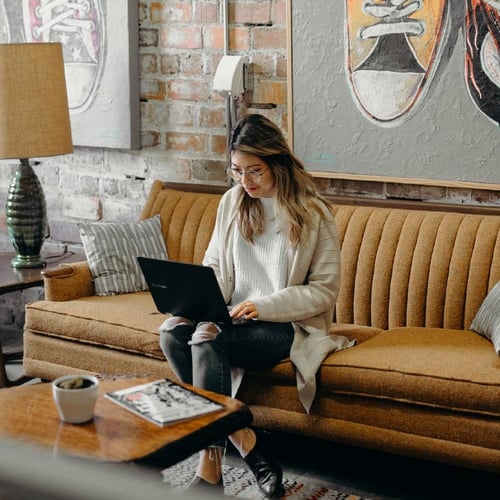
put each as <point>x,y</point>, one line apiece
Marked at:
<point>482,62</point>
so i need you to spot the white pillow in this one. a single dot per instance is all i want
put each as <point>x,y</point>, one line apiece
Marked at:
<point>487,319</point>
<point>111,249</point>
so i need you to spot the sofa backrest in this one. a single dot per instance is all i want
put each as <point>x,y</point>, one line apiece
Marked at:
<point>187,220</point>
<point>415,267</point>
<point>399,267</point>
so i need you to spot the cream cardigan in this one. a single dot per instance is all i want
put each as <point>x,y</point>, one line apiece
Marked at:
<point>308,301</point>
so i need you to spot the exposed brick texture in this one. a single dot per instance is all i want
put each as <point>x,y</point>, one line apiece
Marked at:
<point>183,122</point>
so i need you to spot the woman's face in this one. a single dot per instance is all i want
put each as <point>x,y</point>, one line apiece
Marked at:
<point>253,174</point>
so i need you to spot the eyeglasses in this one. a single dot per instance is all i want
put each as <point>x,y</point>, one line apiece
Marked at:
<point>251,175</point>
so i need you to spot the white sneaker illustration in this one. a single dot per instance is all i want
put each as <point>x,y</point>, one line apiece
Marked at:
<point>392,50</point>
<point>4,24</point>
<point>79,26</point>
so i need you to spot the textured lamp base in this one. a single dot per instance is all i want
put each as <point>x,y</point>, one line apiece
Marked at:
<point>26,217</point>
<point>25,262</point>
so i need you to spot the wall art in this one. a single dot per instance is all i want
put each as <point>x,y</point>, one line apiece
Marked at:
<point>404,89</point>
<point>100,46</point>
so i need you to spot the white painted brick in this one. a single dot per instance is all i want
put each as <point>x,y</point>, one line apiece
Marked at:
<point>82,207</point>
<point>124,163</point>
<point>120,211</point>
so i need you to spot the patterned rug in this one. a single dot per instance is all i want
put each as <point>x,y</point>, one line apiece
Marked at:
<point>240,483</point>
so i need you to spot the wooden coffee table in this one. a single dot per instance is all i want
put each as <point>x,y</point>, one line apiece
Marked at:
<point>28,415</point>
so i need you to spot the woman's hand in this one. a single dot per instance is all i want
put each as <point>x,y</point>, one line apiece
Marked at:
<point>244,310</point>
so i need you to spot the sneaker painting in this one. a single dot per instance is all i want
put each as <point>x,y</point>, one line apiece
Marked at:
<point>482,56</point>
<point>4,24</point>
<point>392,50</point>
<point>79,26</point>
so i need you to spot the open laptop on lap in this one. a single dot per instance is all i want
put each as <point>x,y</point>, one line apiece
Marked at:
<point>187,290</point>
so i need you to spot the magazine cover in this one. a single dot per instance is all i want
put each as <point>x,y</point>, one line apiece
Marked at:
<point>163,402</point>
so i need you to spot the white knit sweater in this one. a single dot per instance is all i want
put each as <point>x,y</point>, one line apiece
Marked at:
<point>262,265</point>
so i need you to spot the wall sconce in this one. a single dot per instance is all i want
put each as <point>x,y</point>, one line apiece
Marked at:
<point>230,76</point>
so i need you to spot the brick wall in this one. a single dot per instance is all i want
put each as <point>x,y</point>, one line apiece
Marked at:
<point>183,122</point>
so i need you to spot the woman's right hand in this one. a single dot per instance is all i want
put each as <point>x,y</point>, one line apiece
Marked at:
<point>244,310</point>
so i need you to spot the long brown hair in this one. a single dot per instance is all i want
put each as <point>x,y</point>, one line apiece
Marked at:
<point>296,191</point>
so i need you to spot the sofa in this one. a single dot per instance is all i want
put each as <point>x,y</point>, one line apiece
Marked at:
<point>419,382</point>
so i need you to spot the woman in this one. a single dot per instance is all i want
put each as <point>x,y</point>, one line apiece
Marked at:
<point>275,253</point>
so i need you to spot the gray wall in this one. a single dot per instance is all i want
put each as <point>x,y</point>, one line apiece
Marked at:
<point>446,138</point>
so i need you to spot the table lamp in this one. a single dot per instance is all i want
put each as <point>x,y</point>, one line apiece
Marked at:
<point>34,122</point>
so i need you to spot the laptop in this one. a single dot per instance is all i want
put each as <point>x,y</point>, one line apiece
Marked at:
<point>187,290</point>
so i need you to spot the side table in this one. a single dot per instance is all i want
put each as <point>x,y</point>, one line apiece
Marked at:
<point>12,280</point>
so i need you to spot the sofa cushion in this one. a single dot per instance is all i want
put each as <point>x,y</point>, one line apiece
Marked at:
<point>487,320</point>
<point>111,249</point>
<point>126,322</point>
<point>433,367</point>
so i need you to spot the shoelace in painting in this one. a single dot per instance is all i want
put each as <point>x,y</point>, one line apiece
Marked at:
<point>67,17</point>
<point>394,18</point>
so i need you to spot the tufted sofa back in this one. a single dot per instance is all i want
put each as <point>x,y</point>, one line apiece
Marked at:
<point>415,267</point>
<point>187,220</point>
<point>399,267</point>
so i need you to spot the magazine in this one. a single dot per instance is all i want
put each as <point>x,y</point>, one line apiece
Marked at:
<point>163,402</point>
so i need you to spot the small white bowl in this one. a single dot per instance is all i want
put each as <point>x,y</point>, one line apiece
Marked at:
<point>75,405</point>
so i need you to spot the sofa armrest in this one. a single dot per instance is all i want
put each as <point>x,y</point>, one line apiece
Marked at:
<point>68,282</point>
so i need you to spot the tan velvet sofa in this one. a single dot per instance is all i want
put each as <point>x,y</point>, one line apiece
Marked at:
<point>418,383</point>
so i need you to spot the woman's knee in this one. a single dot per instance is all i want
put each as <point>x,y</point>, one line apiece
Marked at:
<point>175,332</point>
<point>174,321</point>
<point>205,332</point>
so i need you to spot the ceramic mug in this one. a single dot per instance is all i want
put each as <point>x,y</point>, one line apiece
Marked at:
<point>75,397</point>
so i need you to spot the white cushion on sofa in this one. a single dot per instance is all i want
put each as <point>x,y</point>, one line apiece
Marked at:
<point>111,249</point>
<point>487,319</point>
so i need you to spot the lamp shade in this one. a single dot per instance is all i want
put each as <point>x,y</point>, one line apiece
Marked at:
<point>34,115</point>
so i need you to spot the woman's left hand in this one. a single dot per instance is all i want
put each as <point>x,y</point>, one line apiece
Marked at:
<point>244,310</point>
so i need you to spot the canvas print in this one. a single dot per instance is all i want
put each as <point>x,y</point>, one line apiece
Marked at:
<point>100,47</point>
<point>482,63</point>
<point>385,93</point>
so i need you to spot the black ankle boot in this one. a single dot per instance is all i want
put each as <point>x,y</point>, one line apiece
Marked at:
<point>266,470</point>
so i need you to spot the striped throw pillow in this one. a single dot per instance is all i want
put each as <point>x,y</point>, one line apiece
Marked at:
<point>111,249</point>
<point>487,320</point>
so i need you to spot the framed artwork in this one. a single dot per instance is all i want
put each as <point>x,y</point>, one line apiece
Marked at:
<point>101,59</point>
<point>397,89</point>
